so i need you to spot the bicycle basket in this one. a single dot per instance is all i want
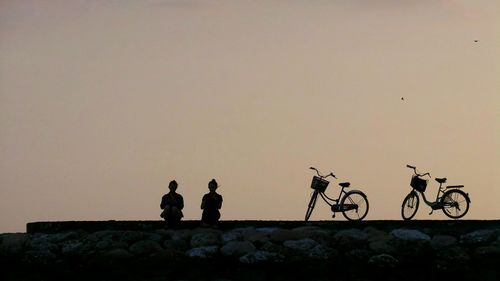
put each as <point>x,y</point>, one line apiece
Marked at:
<point>319,184</point>
<point>418,183</point>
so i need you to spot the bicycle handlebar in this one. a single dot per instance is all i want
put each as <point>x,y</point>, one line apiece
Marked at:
<point>320,175</point>
<point>415,171</point>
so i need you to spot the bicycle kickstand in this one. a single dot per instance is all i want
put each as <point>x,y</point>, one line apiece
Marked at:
<point>431,212</point>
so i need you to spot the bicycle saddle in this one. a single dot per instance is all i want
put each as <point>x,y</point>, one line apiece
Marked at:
<point>441,180</point>
<point>345,184</point>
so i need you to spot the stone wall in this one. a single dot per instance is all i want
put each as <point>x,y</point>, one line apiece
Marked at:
<point>293,251</point>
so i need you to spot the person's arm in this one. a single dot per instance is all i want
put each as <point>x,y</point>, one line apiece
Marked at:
<point>163,202</point>
<point>220,202</point>
<point>181,202</point>
<point>203,202</point>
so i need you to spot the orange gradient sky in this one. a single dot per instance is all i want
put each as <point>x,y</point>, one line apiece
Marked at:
<point>102,103</point>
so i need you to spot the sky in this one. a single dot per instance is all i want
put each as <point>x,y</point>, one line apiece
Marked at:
<point>102,103</point>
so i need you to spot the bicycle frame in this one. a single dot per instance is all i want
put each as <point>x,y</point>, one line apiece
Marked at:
<point>336,201</point>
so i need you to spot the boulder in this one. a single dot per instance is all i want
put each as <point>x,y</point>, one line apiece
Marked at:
<point>202,252</point>
<point>72,248</point>
<point>281,235</point>
<point>442,241</point>
<point>302,245</point>
<point>145,247</point>
<point>176,245</point>
<point>487,252</point>
<point>13,244</point>
<point>479,237</point>
<point>118,254</point>
<point>261,256</point>
<point>231,236</point>
<point>204,239</point>
<point>40,256</point>
<point>410,235</point>
<point>383,261</point>
<point>322,252</point>
<point>350,238</point>
<point>237,248</point>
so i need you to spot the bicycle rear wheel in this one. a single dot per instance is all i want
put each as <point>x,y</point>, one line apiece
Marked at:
<point>410,206</point>
<point>455,203</point>
<point>311,204</point>
<point>354,205</point>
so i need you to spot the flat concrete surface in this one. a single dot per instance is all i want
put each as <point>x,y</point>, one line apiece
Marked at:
<point>455,226</point>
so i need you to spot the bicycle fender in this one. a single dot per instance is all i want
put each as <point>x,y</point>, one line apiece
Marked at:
<point>355,191</point>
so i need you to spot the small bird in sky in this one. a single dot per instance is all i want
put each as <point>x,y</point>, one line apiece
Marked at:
<point>476,40</point>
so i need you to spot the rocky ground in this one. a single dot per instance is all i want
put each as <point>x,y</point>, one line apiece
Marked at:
<point>285,252</point>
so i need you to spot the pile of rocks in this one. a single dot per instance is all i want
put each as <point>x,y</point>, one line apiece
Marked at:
<point>364,247</point>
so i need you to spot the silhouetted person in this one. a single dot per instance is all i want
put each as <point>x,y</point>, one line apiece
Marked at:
<point>172,204</point>
<point>211,203</point>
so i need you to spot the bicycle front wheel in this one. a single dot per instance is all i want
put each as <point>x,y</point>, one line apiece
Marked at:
<point>410,206</point>
<point>354,205</point>
<point>311,204</point>
<point>455,203</point>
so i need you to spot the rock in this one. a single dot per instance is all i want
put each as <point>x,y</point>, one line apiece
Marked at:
<point>410,235</point>
<point>383,261</point>
<point>204,239</point>
<point>61,237</point>
<point>322,252</point>
<point>231,236</point>
<point>13,244</point>
<point>268,230</point>
<point>176,245</point>
<point>202,252</point>
<point>453,254</point>
<point>382,245</point>
<point>261,256</point>
<point>281,235</point>
<point>479,237</point>
<point>42,243</point>
<point>442,241</point>
<point>451,258</point>
<point>71,248</point>
<point>41,256</point>
<point>301,245</point>
<point>145,247</point>
<point>131,237</point>
<point>487,252</point>
<point>358,255</point>
<point>118,254</point>
<point>273,248</point>
<point>312,232</point>
<point>350,238</point>
<point>260,237</point>
<point>182,234</point>
<point>237,248</point>
<point>376,234</point>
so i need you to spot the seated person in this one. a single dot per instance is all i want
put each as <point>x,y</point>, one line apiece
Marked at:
<point>211,203</point>
<point>172,204</point>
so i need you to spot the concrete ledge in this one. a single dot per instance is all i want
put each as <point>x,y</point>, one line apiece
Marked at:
<point>458,226</point>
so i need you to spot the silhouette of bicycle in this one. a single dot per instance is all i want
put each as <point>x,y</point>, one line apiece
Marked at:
<point>453,202</point>
<point>353,204</point>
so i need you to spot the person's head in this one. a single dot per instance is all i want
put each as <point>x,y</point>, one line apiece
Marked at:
<point>172,185</point>
<point>212,185</point>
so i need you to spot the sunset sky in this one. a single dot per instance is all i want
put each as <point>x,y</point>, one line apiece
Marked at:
<point>102,103</point>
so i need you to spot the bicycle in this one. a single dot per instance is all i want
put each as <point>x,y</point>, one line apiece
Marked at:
<point>353,204</point>
<point>453,201</point>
